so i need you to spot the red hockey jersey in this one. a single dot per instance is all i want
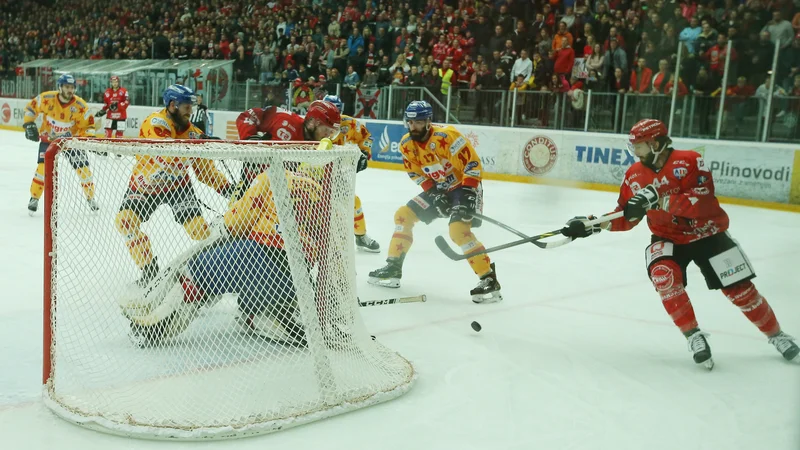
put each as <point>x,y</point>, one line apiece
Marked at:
<point>120,98</point>
<point>282,125</point>
<point>692,211</point>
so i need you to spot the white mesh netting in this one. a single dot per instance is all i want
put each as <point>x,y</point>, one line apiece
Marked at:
<point>231,336</point>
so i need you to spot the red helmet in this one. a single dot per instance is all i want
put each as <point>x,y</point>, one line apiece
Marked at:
<point>325,112</point>
<point>114,78</point>
<point>647,130</point>
<point>298,82</point>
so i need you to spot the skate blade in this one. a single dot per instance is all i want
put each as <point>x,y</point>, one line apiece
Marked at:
<point>708,364</point>
<point>384,282</point>
<point>31,213</point>
<point>492,297</point>
<point>368,250</point>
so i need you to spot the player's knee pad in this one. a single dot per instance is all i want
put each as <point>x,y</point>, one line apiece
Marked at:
<point>667,277</point>
<point>196,228</point>
<point>461,233</point>
<point>128,223</point>
<point>404,219</point>
<point>744,295</point>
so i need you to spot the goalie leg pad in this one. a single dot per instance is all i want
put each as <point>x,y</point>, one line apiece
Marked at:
<point>403,237</point>
<point>167,320</point>
<point>257,273</point>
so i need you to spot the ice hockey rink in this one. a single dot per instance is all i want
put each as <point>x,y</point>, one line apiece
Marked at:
<point>579,355</point>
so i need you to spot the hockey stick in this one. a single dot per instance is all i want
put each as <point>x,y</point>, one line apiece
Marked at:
<point>450,253</point>
<point>392,301</point>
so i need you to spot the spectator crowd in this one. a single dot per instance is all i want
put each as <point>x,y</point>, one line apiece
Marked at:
<point>626,46</point>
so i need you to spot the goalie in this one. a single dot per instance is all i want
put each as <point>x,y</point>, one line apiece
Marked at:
<point>247,259</point>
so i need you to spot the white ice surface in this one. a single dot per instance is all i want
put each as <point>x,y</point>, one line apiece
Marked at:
<point>579,355</point>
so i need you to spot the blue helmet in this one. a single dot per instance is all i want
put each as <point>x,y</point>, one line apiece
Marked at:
<point>337,102</point>
<point>418,110</point>
<point>65,79</point>
<point>179,94</point>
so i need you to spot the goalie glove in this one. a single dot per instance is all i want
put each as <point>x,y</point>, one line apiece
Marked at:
<point>644,200</point>
<point>466,204</point>
<point>31,131</point>
<point>576,227</point>
<point>101,113</point>
<point>362,161</point>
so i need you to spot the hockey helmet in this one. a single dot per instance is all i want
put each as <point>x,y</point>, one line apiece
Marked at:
<point>327,115</point>
<point>179,94</point>
<point>652,132</point>
<point>65,80</point>
<point>337,102</point>
<point>418,110</point>
<point>114,78</point>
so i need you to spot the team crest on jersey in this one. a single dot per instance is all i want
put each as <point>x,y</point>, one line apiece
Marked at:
<point>680,172</point>
<point>432,146</point>
<point>285,122</point>
<point>193,135</point>
<point>73,109</point>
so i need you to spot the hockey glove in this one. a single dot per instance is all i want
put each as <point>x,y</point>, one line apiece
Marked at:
<point>113,106</point>
<point>440,202</point>
<point>101,113</point>
<point>466,204</point>
<point>576,227</point>
<point>362,162</point>
<point>31,131</point>
<point>639,204</point>
<point>209,137</point>
<point>266,136</point>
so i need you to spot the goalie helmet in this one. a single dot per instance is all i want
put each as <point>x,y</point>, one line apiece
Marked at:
<point>65,80</point>
<point>179,94</point>
<point>337,102</point>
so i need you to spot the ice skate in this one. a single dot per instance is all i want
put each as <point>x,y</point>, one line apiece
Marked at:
<point>33,206</point>
<point>786,346</point>
<point>488,289</point>
<point>93,204</point>
<point>367,244</point>
<point>698,345</point>
<point>388,276</point>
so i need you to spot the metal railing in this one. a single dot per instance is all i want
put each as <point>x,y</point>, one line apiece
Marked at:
<point>770,115</point>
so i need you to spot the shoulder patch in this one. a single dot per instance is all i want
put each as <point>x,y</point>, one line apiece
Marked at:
<point>157,121</point>
<point>457,145</point>
<point>440,134</point>
<point>406,138</point>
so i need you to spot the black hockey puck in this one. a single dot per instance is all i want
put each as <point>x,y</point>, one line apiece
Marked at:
<point>476,326</point>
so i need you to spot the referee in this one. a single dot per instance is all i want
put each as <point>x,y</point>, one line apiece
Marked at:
<point>199,117</point>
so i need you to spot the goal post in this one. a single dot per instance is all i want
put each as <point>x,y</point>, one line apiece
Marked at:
<point>250,324</point>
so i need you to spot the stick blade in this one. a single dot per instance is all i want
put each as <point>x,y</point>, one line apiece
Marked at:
<point>447,250</point>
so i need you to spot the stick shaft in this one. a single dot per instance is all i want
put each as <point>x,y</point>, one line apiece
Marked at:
<point>392,301</point>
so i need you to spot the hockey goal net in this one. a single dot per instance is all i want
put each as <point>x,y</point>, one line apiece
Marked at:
<point>231,336</point>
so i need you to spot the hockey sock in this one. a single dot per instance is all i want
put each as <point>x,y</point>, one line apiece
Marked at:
<point>404,220</point>
<point>359,223</point>
<point>461,234</point>
<point>118,134</point>
<point>667,278</point>
<point>129,226</point>
<point>754,306</point>
<point>197,228</point>
<point>87,181</point>
<point>108,132</point>
<point>37,185</point>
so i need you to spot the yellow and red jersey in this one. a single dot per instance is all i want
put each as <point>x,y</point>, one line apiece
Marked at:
<point>153,174</point>
<point>255,217</point>
<point>352,131</point>
<point>59,120</point>
<point>445,161</point>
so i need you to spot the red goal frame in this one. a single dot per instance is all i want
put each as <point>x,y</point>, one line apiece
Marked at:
<point>49,165</point>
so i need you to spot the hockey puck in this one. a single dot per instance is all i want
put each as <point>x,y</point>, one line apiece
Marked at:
<point>476,326</point>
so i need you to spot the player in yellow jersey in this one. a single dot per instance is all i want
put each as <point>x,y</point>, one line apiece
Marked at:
<point>64,114</point>
<point>441,161</point>
<point>353,132</point>
<point>249,260</point>
<point>158,180</point>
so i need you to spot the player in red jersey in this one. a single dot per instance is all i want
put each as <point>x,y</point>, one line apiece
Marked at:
<point>273,123</point>
<point>675,191</point>
<point>116,104</point>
